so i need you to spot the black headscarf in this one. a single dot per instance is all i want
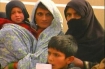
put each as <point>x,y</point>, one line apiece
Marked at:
<point>87,31</point>
<point>2,15</point>
<point>16,3</point>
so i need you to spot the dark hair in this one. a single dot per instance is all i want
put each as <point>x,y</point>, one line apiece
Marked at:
<point>41,6</point>
<point>65,44</point>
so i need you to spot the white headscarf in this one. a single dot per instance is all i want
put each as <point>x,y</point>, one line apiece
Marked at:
<point>40,49</point>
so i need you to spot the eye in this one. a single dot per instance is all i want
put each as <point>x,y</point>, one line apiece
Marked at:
<point>49,53</point>
<point>56,55</point>
<point>39,14</point>
<point>13,12</point>
<point>49,14</point>
<point>19,11</point>
<point>68,14</point>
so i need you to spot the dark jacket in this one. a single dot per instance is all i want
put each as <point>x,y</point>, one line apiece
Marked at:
<point>72,66</point>
<point>87,31</point>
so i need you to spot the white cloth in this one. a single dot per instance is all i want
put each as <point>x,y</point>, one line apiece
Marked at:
<point>40,50</point>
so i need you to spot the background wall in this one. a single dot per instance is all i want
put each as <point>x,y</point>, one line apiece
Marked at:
<point>98,6</point>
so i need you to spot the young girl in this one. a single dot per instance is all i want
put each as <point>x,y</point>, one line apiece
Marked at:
<point>16,13</point>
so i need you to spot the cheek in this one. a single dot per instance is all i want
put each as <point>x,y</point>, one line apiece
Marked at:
<point>37,19</point>
<point>59,61</point>
<point>68,18</point>
<point>78,17</point>
<point>50,20</point>
<point>12,17</point>
<point>22,16</point>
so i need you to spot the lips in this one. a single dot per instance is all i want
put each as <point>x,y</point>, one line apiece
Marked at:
<point>18,18</point>
<point>53,65</point>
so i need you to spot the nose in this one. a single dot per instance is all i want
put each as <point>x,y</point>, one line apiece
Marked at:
<point>50,58</point>
<point>72,16</point>
<point>16,14</point>
<point>44,17</point>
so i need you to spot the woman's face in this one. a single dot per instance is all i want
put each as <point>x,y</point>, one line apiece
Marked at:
<point>43,18</point>
<point>17,15</point>
<point>72,14</point>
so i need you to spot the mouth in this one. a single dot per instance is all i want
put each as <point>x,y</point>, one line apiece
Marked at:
<point>53,65</point>
<point>18,18</point>
<point>44,22</point>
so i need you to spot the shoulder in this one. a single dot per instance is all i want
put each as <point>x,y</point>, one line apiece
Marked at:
<point>61,33</point>
<point>74,68</point>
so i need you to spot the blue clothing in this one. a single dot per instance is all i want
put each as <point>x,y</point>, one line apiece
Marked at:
<point>15,43</point>
<point>40,51</point>
<point>18,45</point>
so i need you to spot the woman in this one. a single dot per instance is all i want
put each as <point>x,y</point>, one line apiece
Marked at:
<point>47,22</point>
<point>84,26</point>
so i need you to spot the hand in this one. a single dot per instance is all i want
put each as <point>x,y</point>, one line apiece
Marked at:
<point>77,62</point>
<point>6,67</point>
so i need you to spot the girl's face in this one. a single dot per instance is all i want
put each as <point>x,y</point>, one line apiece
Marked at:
<point>17,15</point>
<point>72,14</point>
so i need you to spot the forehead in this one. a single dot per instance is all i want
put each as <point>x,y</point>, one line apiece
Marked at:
<point>52,50</point>
<point>16,8</point>
<point>39,9</point>
<point>70,10</point>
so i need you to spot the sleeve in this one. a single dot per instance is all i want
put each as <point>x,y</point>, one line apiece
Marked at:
<point>61,33</point>
<point>14,44</point>
<point>88,64</point>
<point>4,21</point>
<point>29,62</point>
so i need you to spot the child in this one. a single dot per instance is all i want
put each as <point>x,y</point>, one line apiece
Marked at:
<point>61,51</point>
<point>15,40</point>
<point>16,13</point>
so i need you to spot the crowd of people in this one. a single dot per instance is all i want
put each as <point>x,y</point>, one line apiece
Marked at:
<point>24,43</point>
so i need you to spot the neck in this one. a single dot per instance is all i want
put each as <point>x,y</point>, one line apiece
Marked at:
<point>40,29</point>
<point>66,67</point>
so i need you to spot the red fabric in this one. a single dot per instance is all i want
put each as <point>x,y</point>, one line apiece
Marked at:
<point>5,21</point>
<point>33,31</point>
<point>15,65</point>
